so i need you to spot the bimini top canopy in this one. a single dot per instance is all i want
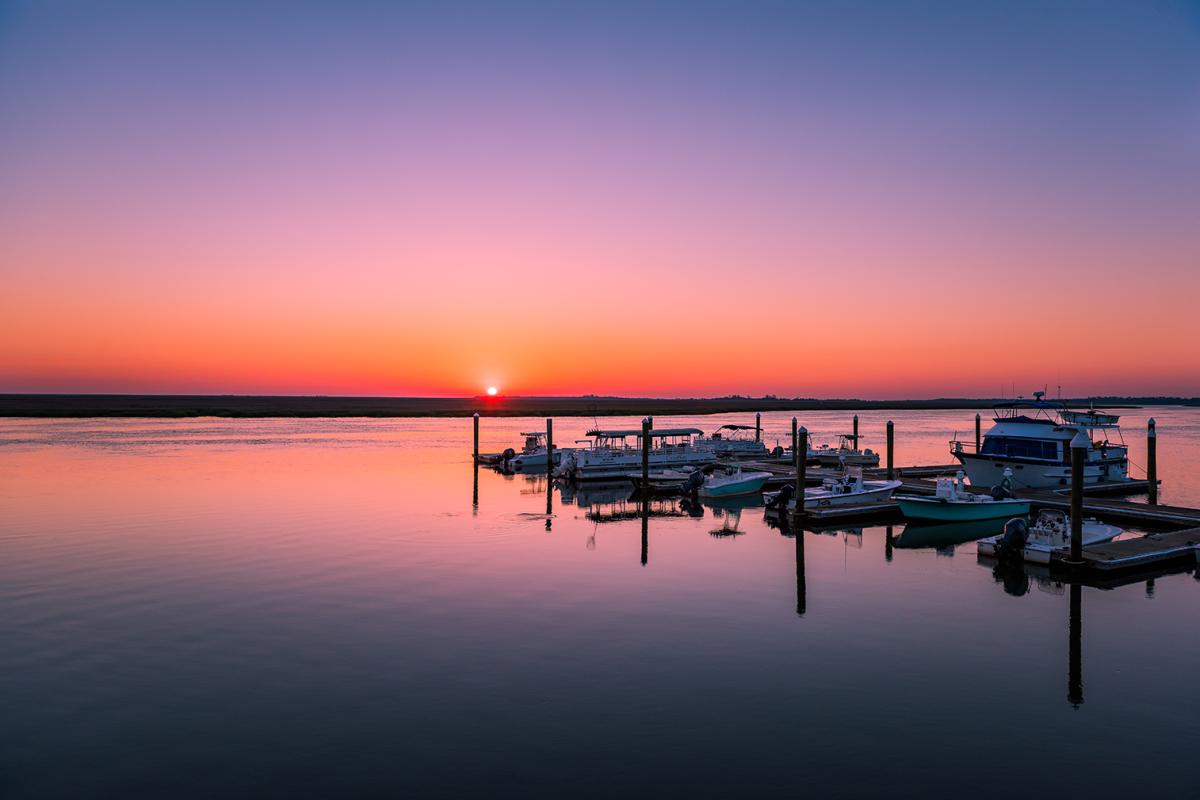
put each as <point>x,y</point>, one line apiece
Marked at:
<point>737,428</point>
<point>534,433</point>
<point>617,434</point>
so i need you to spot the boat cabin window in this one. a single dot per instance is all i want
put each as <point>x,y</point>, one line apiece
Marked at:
<point>1020,448</point>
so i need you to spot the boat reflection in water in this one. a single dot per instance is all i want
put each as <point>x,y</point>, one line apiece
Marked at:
<point>945,536</point>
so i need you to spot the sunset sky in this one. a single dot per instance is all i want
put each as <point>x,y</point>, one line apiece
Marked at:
<point>645,198</point>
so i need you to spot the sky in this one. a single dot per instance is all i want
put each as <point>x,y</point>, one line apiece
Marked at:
<point>819,199</point>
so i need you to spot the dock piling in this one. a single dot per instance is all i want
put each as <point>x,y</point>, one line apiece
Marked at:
<point>1079,448</point>
<point>758,427</point>
<point>476,437</point>
<point>549,447</point>
<point>801,473</point>
<point>646,455</point>
<point>855,432</point>
<point>1152,460</point>
<point>978,438</point>
<point>891,442</point>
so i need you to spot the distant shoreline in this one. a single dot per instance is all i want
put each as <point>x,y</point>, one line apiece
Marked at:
<point>235,406</point>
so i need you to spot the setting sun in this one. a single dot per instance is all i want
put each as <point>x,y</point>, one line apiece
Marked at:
<point>491,390</point>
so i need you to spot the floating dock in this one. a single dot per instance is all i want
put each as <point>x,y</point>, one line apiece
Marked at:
<point>1123,554</point>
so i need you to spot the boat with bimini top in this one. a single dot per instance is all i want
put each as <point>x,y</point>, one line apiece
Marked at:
<point>614,454</point>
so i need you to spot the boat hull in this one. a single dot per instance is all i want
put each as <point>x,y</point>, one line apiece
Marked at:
<point>929,508</point>
<point>749,484</point>
<point>987,471</point>
<point>591,466</point>
<point>528,462</point>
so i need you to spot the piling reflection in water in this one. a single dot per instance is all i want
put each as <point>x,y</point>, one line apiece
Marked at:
<point>801,583</point>
<point>1075,669</point>
<point>645,531</point>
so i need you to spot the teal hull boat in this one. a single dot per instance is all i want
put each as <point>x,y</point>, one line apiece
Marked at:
<point>940,509</point>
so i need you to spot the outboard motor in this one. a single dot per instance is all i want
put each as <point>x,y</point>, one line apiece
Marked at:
<point>999,492</point>
<point>784,497</point>
<point>1016,533</point>
<point>777,452</point>
<point>694,481</point>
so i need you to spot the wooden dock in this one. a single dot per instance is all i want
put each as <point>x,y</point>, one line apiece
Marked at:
<point>1154,548</point>
<point>1105,561</point>
<point>1122,511</point>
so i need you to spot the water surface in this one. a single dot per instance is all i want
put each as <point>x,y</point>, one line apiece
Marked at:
<point>203,608</point>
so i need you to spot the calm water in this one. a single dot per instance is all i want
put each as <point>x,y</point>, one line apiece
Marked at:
<point>216,608</point>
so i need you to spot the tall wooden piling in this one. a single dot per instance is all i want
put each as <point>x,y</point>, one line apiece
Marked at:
<point>758,427</point>
<point>476,437</point>
<point>1152,460</point>
<point>855,433</point>
<point>1079,448</point>
<point>801,472</point>
<point>646,456</point>
<point>795,441</point>
<point>549,472</point>
<point>891,447</point>
<point>978,437</point>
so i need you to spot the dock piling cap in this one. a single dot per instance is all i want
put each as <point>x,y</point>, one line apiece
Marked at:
<point>1080,442</point>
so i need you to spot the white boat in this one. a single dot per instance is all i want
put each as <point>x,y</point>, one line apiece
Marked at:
<point>734,484</point>
<point>846,490</point>
<point>846,453</point>
<point>533,453</point>
<point>1050,533</point>
<point>664,480</point>
<point>614,454</point>
<point>1033,439</point>
<point>953,502</point>
<point>735,441</point>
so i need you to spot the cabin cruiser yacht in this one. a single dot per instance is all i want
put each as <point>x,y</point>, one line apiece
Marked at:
<point>1033,439</point>
<point>613,454</point>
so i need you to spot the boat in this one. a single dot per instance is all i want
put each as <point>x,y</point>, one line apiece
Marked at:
<point>953,502</point>
<point>735,441</point>
<point>533,453</point>
<point>845,490</point>
<point>734,484</point>
<point>614,454</point>
<point>1050,533</point>
<point>666,480</point>
<point>846,453</point>
<point>1033,439</point>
